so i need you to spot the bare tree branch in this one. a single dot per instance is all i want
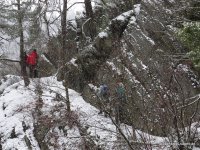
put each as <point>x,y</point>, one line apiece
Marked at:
<point>74,4</point>
<point>2,38</point>
<point>198,99</point>
<point>9,60</point>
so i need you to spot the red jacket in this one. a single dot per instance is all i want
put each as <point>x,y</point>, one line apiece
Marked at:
<point>32,58</point>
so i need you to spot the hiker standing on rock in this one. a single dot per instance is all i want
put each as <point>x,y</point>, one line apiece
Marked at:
<point>120,102</point>
<point>103,98</point>
<point>32,60</point>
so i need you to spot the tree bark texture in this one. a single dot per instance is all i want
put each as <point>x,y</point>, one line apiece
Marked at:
<point>64,32</point>
<point>22,53</point>
<point>90,14</point>
<point>63,53</point>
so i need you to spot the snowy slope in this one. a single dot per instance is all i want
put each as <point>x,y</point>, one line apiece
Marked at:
<point>17,117</point>
<point>17,105</point>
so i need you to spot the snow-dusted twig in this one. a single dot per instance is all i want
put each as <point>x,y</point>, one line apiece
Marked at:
<point>196,100</point>
<point>83,28</point>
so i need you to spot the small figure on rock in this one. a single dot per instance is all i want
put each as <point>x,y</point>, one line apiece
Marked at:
<point>120,102</point>
<point>32,60</point>
<point>103,98</point>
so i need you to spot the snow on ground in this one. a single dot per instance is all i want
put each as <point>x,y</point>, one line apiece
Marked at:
<point>114,68</point>
<point>103,34</point>
<point>15,108</point>
<point>7,81</point>
<point>137,9</point>
<point>98,124</point>
<point>124,15</point>
<point>17,105</point>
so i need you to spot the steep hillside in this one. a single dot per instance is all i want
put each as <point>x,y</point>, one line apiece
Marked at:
<point>131,43</point>
<point>35,117</point>
<point>140,48</point>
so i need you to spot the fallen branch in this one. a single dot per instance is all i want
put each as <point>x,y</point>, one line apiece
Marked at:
<point>10,60</point>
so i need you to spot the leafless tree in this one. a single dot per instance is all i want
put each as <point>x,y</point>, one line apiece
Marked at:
<point>90,15</point>
<point>22,52</point>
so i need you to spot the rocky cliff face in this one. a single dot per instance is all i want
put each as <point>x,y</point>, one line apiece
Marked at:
<point>140,48</point>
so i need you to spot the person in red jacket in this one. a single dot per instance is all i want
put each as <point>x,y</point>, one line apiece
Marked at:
<point>32,60</point>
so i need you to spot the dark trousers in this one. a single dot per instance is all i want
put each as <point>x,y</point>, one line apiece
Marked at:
<point>103,103</point>
<point>33,71</point>
<point>120,113</point>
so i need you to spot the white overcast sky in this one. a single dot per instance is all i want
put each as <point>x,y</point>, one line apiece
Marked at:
<point>75,8</point>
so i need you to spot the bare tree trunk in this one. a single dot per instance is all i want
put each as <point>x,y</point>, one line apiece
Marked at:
<point>0,144</point>
<point>90,14</point>
<point>175,122</point>
<point>46,20</point>
<point>67,99</point>
<point>22,53</point>
<point>64,31</point>
<point>63,53</point>
<point>88,8</point>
